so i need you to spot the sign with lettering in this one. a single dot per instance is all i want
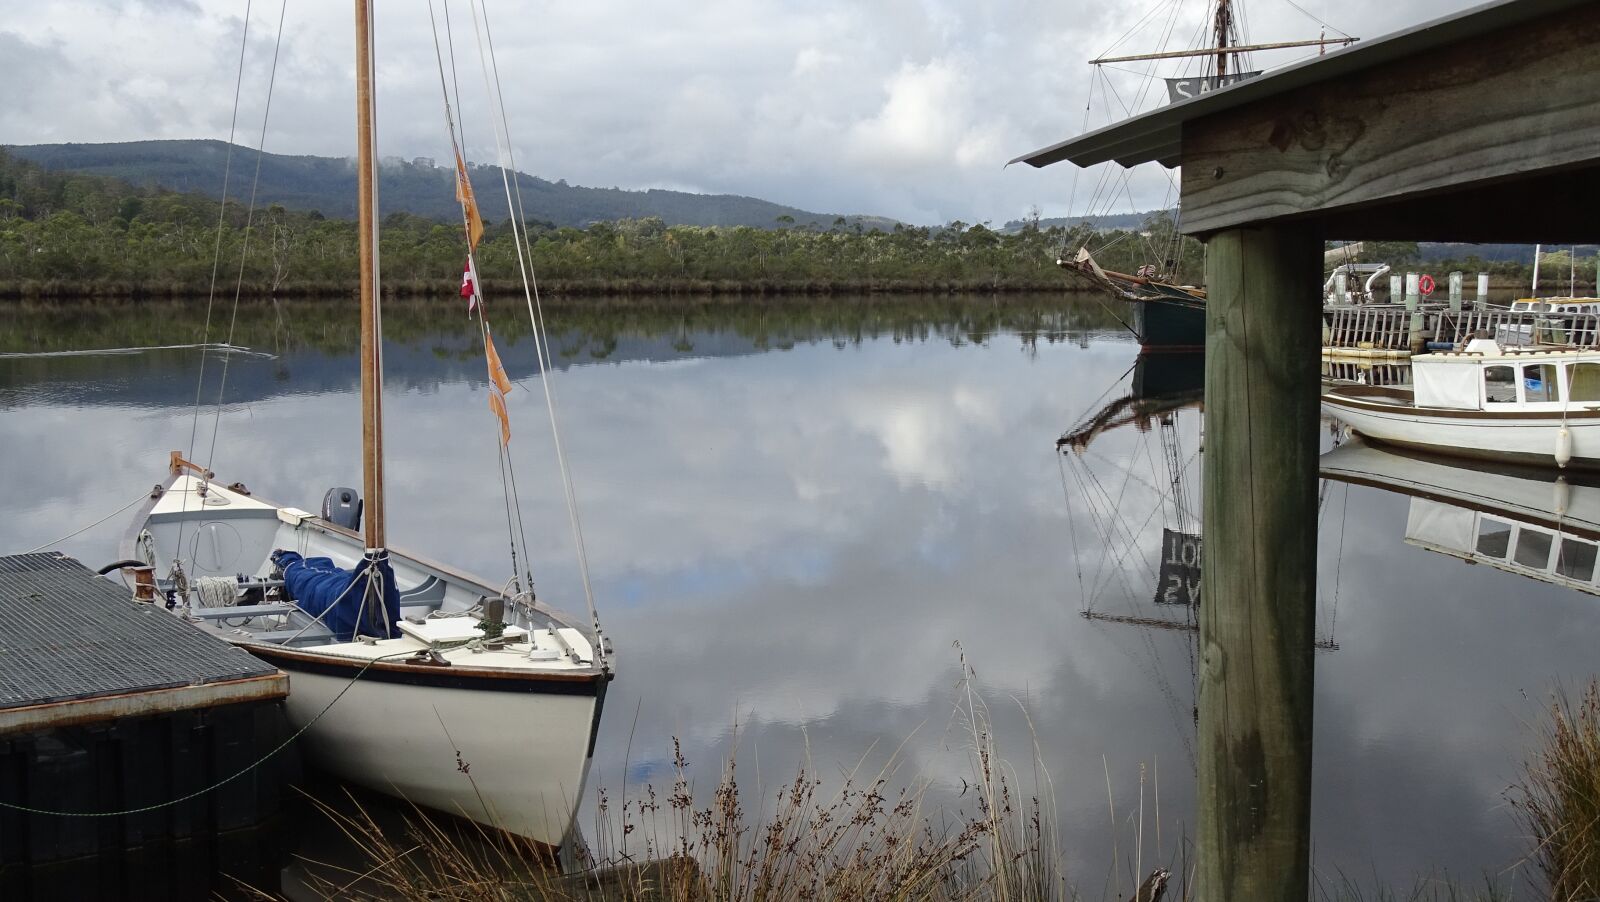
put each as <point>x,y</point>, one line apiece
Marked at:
<point>1180,569</point>
<point>1185,88</point>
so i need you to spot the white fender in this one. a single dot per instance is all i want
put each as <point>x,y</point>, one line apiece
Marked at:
<point>1563,447</point>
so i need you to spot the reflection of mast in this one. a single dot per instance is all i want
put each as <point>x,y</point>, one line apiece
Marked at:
<point>1123,411</point>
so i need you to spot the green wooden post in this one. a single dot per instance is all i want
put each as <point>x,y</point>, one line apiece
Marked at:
<point>1257,621</point>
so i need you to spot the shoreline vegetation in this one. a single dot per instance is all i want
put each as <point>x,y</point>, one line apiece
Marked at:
<point>71,236</point>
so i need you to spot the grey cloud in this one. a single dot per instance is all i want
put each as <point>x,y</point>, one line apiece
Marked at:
<point>906,108</point>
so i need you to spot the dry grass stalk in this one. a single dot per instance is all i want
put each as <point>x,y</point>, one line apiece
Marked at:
<point>1558,798</point>
<point>861,837</point>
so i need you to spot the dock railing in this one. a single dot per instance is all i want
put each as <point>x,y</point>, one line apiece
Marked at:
<point>1393,328</point>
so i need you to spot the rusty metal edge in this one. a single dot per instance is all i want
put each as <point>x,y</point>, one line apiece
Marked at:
<point>266,687</point>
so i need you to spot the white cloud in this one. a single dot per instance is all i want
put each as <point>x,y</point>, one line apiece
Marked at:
<point>906,108</point>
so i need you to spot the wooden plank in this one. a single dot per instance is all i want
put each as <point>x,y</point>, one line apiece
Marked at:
<point>1467,115</point>
<point>1257,625</point>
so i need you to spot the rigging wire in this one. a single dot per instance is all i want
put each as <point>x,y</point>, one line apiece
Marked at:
<point>142,497</point>
<point>1313,18</point>
<point>535,307</point>
<point>216,255</point>
<point>1072,529</point>
<point>249,220</point>
<point>514,523</point>
<point>1135,27</point>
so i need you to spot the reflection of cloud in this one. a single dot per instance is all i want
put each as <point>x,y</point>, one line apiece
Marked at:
<point>792,542</point>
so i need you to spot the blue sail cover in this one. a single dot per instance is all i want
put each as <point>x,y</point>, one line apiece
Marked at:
<point>316,584</point>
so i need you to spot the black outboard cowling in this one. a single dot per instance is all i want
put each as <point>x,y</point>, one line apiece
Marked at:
<point>342,507</point>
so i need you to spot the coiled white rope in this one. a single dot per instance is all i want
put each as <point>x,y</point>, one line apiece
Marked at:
<point>218,591</point>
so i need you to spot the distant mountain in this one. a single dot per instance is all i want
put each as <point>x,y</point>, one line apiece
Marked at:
<point>417,186</point>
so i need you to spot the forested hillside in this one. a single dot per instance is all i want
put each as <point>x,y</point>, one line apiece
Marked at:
<point>421,187</point>
<point>64,234</point>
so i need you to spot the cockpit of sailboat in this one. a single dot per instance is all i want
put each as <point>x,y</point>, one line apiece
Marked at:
<point>232,551</point>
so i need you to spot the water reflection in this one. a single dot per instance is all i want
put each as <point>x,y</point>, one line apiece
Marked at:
<point>794,514</point>
<point>1536,523</point>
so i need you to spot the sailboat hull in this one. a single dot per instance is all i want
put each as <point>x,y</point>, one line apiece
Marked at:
<point>1171,326</point>
<point>1531,438</point>
<point>512,754</point>
<point>500,735</point>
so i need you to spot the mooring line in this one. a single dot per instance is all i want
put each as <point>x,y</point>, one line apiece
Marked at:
<point>69,535</point>
<point>95,352</point>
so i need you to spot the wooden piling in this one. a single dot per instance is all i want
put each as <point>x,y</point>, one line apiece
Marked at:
<point>1257,626</point>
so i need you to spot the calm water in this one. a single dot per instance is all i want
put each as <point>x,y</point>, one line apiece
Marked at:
<point>795,517</point>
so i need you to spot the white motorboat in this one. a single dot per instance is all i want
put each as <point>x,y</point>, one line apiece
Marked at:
<point>1537,406</point>
<point>455,693</point>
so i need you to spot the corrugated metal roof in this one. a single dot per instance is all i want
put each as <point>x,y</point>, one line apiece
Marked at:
<point>1157,135</point>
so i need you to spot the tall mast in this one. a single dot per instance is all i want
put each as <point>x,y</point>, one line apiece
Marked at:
<point>1222,39</point>
<point>371,322</point>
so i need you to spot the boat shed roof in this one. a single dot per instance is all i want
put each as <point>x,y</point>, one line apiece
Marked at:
<point>1483,126</point>
<point>1156,136</point>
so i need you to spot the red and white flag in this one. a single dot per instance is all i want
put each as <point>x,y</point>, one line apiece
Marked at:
<point>469,284</point>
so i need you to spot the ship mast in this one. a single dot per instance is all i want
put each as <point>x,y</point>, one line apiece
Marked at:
<point>1224,25</point>
<point>371,321</point>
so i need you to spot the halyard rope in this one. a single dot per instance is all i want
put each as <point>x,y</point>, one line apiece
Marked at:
<point>535,308</point>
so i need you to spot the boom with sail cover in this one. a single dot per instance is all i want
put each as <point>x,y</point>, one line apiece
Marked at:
<point>339,597</point>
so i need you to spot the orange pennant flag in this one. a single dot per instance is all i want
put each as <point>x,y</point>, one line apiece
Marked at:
<point>469,204</point>
<point>497,403</point>
<point>497,372</point>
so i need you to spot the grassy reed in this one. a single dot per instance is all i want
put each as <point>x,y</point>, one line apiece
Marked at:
<point>1558,798</point>
<point>868,835</point>
<point>872,835</point>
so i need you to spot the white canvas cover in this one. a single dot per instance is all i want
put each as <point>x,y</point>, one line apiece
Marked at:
<point>1439,525</point>
<point>1446,383</point>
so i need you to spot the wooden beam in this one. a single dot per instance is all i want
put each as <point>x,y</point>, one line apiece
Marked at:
<point>1555,208</point>
<point>1257,626</point>
<point>1471,113</point>
<point>1213,51</point>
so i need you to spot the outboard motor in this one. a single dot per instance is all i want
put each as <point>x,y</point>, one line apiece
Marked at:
<point>342,507</point>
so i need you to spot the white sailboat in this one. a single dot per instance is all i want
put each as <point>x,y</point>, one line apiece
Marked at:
<point>408,676</point>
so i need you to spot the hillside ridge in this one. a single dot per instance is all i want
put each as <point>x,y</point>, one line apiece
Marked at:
<point>419,186</point>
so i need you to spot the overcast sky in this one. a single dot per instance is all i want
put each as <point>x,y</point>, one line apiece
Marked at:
<point>903,108</point>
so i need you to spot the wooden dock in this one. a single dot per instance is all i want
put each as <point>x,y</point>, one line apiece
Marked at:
<point>120,728</point>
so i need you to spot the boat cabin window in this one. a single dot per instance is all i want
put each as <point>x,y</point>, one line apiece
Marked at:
<point>1494,538</point>
<point>1533,548</point>
<point>1539,383</point>
<point>1583,381</point>
<point>1500,384</point>
<point>1576,560</point>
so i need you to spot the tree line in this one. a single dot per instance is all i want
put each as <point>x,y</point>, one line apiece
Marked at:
<point>65,234</point>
